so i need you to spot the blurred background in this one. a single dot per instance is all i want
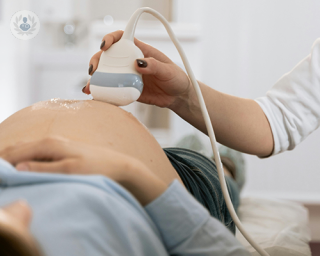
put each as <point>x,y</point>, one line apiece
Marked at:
<point>238,47</point>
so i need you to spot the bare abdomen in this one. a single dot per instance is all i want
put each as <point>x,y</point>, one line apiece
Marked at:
<point>92,122</point>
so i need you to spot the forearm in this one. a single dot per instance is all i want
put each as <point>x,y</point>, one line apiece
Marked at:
<point>238,123</point>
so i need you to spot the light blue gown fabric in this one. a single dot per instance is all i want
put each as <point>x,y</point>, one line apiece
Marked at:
<point>93,215</point>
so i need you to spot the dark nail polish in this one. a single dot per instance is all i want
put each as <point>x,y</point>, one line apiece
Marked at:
<point>102,44</point>
<point>90,69</point>
<point>83,89</point>
<point>142,63</point>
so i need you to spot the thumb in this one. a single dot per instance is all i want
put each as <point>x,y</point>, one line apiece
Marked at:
<point>51,167</point>
<point>151,66</point>
<point>86,89</point>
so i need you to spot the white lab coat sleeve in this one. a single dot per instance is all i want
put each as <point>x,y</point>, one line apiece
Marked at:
<point>292,105</point>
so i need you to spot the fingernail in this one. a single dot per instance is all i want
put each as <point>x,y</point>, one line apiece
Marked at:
<point>102,44</point>
<point>90,69</point>
<point>22,167</point>
<point>142,63</point>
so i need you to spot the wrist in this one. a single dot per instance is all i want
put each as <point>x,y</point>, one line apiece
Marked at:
<point>141,182</point>
<point>185,103</point>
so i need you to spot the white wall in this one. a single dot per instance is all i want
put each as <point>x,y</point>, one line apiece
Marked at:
<point>13,56</point>
<point>248,45</point>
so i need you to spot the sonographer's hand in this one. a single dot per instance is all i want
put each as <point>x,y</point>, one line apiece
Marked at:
<point>60,155</point>
<point>164,82</point>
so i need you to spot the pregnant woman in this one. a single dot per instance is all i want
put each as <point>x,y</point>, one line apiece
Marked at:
<point>78,160</point>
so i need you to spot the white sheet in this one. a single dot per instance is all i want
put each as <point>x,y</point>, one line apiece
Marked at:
<point>279,226</point>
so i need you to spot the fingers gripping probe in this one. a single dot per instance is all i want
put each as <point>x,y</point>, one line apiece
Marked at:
<point>117,82</point>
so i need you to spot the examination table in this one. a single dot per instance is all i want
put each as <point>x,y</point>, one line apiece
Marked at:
<point>279,226</point>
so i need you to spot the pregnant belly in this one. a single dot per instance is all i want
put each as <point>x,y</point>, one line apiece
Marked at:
<point>92,122</point>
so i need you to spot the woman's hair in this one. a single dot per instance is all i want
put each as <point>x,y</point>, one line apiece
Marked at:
<point>12,244</point>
